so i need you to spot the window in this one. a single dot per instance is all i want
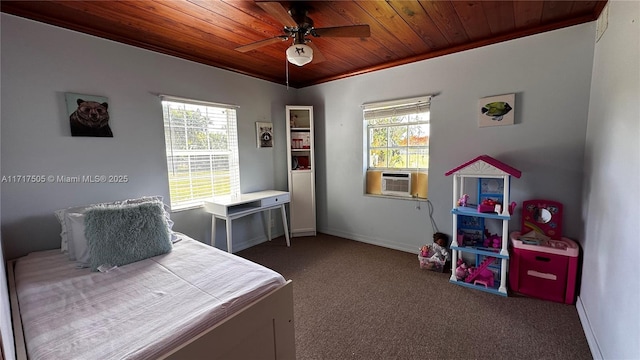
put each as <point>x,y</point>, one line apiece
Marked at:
<point>397,144</point>
<point>202,150</point>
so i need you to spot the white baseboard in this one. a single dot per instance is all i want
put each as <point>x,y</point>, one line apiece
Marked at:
<point>370,240</point>
<point>241,245</point>
<point>588,332</point>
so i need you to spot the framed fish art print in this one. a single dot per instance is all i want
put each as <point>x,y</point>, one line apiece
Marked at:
<point>496,110</point>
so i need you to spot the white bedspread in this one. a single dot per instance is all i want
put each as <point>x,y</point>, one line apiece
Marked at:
<point>137,311</point>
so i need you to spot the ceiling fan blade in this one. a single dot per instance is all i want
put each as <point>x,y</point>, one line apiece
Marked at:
<point>278,11</point>
<point>261,43</point>
<point>317,55</point>
<point>343,31</point>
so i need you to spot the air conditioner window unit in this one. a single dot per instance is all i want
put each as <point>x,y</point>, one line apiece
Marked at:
<point>396,183</point>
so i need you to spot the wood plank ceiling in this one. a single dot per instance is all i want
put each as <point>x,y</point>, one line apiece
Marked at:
<point>208,31</point>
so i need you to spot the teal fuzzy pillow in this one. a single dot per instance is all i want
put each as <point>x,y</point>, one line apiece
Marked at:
<point>121,234</point>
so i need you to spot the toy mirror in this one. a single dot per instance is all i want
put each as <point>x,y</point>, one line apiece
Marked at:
<point>542,215</point>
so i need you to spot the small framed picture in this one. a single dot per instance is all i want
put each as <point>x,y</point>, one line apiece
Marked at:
<point>496,110</point>
<point>88,115</point>
<point>264,133</point>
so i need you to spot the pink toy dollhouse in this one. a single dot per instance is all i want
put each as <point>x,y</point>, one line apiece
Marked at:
<point>493,179</point>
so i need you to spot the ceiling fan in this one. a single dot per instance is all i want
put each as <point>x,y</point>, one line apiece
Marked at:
<point>298,25</point>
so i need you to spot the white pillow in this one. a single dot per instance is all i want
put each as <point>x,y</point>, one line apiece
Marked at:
<point>67,244</point>
<point>60,215</point>
<point>77,240</point>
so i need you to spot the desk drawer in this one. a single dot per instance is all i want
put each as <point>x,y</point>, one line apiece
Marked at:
<point>275,200</point>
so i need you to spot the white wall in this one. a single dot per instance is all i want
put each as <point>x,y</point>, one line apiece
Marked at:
<point>550,74</point>
<point>608,302</point>
<point>41,62</point>
<point>6,331</point>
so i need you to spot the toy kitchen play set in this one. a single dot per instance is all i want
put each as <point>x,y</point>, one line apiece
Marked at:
<point>543,264</point>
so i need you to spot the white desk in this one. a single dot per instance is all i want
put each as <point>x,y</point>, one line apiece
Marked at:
<point>229,208</point>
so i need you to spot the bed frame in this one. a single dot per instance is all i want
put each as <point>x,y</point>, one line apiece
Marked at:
<point>262,330</point>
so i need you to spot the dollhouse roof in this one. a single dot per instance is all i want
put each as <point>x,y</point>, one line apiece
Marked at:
<point>485,164</point>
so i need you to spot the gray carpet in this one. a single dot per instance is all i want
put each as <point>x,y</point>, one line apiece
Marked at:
<point>360,301</point>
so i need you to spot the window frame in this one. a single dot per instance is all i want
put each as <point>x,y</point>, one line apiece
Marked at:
<point>401,110</point>
<point>391,147</point>
<point>208,156</point>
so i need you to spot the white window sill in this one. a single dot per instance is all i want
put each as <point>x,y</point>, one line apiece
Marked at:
<point>411,198</point>
<point>186,207</point>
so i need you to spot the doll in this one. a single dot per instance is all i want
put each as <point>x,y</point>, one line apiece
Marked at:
<point>463,200</point>
<point>439,247</point>
<point>462,270</point>
<point>424,251</point>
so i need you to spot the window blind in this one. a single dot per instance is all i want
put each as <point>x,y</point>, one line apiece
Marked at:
<point>396,108</point>
<point>202,150</point>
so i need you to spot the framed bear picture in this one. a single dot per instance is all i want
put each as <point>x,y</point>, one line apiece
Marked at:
<point>88,115</point>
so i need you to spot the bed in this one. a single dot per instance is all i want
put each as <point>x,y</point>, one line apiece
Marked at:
<point>191,302</point>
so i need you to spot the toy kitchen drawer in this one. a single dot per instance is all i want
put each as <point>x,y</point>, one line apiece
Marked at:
<point>545,269</point>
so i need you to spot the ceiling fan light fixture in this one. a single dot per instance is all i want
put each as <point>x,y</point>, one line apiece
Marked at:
<point>299,54</point>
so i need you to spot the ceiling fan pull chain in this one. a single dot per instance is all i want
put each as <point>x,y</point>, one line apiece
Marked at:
<point>286,66</point>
